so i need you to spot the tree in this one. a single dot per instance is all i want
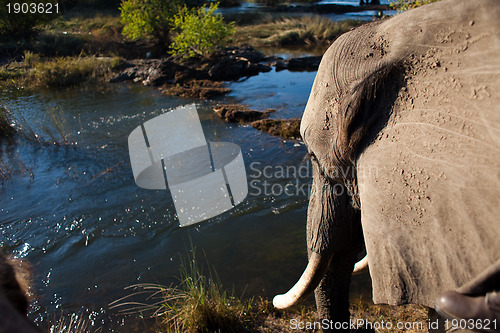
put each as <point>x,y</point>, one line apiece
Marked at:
<point>200,31</point>
<point>148,18</point>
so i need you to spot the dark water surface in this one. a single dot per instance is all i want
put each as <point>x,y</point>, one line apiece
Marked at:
<point>89,231</point>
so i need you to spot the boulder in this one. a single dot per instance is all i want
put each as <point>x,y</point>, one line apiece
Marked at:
<point>304,64</point>
<point>285,128</point>
<point>233,68</point>
<point>127,74</point>
<point>199,89</point>
<point>237,113</point>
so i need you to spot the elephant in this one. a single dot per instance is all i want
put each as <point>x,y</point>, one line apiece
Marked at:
<point>402,126</point>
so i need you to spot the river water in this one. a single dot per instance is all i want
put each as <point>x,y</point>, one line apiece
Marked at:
<point>247,8</point>
<point>89,231</point>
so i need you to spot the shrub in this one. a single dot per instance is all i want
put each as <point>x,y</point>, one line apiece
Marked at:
<point>402,5</point>
<point>148,18</point>
<point>200,31</point>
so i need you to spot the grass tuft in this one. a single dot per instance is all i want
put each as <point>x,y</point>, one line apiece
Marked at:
<point>72,323</point>
<point>69,71</point>
<point>58,72</point>
<point>198,304</point>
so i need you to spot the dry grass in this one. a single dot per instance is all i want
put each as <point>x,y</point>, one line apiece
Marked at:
<point>69,71</point>
<point>410,318</point>
<point>403,5</point>
<point>83,24</point>
<point>72,323</point>
<point>307,30</point>
<point>57,72</point>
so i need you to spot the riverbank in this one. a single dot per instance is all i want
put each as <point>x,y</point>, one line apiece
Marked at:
<point>200,304</point>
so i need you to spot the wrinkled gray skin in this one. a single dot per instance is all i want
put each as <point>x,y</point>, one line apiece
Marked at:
<point>403,128</point>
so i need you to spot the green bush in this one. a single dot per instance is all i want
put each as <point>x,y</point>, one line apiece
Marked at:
<point>200,31</point>
<point>402,5</point>
<point>148,18</point>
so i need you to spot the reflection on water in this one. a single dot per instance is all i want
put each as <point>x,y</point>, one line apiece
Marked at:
<point>89,231</point>
<point>284,91</point>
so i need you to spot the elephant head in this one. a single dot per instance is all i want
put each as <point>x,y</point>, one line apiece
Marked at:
<point>390,135</point>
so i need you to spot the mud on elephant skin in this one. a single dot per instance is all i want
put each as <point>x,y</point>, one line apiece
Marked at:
<point>402,129</point>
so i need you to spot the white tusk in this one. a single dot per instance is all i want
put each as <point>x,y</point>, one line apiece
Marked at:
<point>361,266</point>
<point>309,280</point>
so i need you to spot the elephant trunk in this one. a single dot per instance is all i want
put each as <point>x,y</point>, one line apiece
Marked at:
<point>309,280</point>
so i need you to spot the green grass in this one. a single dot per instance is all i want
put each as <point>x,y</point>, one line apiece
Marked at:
<point>307,30</point>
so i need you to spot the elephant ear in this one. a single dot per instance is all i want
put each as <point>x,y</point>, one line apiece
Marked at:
<point>357,74</point>
<point>362,109</point>
<point>429,184</point>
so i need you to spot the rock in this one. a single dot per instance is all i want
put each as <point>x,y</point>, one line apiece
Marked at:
<point>285,128</point>
<point>263,68</point>
<point>200,89</point>
<point>304,64</point>
<point>126,75</point>
<point>231,68</point>
<point>149,72</point>
<point>237,113</point>
<point>247,52</point>
<point>157,78</point>
<point>280,64</point>
<point>228,64</point>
